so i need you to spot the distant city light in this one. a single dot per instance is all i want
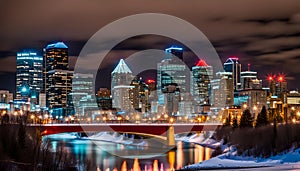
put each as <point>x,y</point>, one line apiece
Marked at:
<point>270,78</point>
<point>24,89</point>
<point>173,48</point>
<point>280,78</point>
<point>233,57</point>
<point>149,81</point>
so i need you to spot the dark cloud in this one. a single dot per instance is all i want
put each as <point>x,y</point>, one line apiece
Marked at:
<point>263,33</point>
<point>269,20</point>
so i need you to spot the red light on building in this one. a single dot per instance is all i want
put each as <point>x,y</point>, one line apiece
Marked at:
<point>234,57</point>
<point>280,78</point>
<point>270,78</point>
<point>150,81</point>
<point>201,62</point>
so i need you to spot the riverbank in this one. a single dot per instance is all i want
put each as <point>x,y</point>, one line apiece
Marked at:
<point>231,160</point>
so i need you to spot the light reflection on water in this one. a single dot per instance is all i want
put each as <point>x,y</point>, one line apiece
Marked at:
<point>101,159</point>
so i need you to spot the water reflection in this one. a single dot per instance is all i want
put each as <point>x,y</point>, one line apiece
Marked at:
<point>100,159</point>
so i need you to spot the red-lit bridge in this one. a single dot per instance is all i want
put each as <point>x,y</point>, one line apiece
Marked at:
<point>167,130</point>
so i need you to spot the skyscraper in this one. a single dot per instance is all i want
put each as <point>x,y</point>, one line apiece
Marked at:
<point>120,86</point>
<point>232,65</point>
<point>222,93</point>
<point>173,71</point>
<point>58,78</point>
<point>29,76</point>
<point>247,78</point>
<point>104,99</point>
<point>139,95</point>
<point>56,56</point>
<point>173,81</point>
<point>83,97</point>
<point>202,74</point>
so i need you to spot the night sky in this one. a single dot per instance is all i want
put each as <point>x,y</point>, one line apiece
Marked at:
<point>264,33</point>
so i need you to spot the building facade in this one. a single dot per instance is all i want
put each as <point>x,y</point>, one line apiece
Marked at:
<point>104,99</point>
<point>139,95</point>
<point>58,79</point>
<point>83,96</point>
<point>222,91</point>
<point>121,78</point>
<point>202,74</point>
<point>232,65</point>
<point>29,77</point>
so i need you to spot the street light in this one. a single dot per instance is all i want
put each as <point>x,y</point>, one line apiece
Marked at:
<point>32,118</point>
<point>172,120</point>
<point>255,111</point>
<point>245,106</point>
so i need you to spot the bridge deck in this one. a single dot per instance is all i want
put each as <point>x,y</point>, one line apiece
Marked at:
<point>146,128</point>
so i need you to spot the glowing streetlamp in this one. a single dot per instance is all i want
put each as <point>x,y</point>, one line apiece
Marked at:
<point>166,116</point>
<point>245,106</point>
<point>32,118</point>
<point>172,120</point>
<point>255,108</point>
<point>88,120</point>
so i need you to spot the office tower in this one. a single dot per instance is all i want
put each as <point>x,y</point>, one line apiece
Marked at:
<point>139,95</point>
<point>120,86</point>
<point>172,71</point>
<point>232,65</point>
<point>202,74</point>
<point>58,79</point>
<point>172,99</point>
<point>281,88</point>
<point>29,76</point>
<point>173,79</point>
<point>278,86</point>
<point>56,56</point>
<point>222,93</point>
<point>82,94</point>
<point>59,87</point>
<point>247,78</point>
<point>104,99</point>
<point>277,99</point>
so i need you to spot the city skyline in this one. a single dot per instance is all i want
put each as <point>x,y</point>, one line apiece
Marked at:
<point>153,76</point>
<point>265,36</point>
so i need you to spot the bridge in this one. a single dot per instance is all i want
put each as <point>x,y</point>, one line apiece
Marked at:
<point>156,129</point>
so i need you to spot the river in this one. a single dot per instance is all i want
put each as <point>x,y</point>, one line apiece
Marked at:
<point>109,153</point>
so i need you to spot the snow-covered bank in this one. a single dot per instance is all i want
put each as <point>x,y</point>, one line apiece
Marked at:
<point>102,136</point>
<point>231,160</point>
<point>200,139</point>
<point>118,138</point>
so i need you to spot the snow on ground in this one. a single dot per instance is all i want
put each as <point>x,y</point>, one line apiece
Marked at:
<point>200,139</point>
<point>231,160</point>
<point>102,136</point>
<point>117,138</point>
